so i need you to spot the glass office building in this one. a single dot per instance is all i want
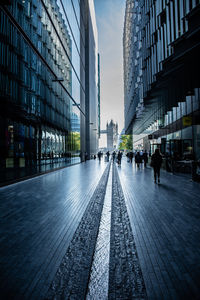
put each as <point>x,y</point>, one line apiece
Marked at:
<point>161,76</point>
<point>42,85</point>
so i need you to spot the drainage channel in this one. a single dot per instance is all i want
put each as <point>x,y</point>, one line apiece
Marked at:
<point>99,276</point>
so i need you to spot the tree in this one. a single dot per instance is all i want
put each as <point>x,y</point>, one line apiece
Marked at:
<point>126,142</point>
<point>76,137</point>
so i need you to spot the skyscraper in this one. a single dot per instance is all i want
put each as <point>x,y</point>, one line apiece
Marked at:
<point>91,81</point>
<point>43,75</point>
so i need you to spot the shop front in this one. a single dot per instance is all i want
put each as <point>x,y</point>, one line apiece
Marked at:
<point>30,149</point>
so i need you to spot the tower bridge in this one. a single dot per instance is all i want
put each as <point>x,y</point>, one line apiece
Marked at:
<point>112,135</point>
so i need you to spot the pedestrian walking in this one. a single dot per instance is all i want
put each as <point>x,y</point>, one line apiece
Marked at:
<point>113,155</point>
<point>99,155</point>
<point>145,158</point>
<point>156,162</point>
<point>128,158</point>
<point>131,156</point>
<point>108,155</point>
<point>119,158</point>
<point>86,156</point>
<point>138,159</point>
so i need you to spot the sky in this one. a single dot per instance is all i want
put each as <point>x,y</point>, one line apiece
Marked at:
<point>110,23</point>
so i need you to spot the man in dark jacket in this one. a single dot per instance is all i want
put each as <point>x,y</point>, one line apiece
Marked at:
<point>119,158</point>
<point>131,156</point>
<point>156,162</point>
<point>138,159</point>
<point>145,158</point>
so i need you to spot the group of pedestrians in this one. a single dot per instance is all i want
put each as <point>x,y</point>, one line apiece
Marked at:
<point>139,158</point>
<point>156,160</point>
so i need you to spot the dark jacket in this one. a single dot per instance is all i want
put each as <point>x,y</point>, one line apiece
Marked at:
<point>145,157</point>
<point>156,160</point>
<point>138,158</point>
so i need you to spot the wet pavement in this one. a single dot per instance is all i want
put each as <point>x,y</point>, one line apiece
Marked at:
<point>165,220</point>
<point>12,175</point>
<point>50,224</point>
<point>38,220</point>
<point>72,277</point>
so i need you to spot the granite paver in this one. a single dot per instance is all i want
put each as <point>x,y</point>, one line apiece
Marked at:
<point>72,277</point>
<point>38,219</point>
<point>155,232</point>
<point>166,227</point>
<point>125,277</point>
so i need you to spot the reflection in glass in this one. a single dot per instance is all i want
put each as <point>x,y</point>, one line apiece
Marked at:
<point>46,131</point>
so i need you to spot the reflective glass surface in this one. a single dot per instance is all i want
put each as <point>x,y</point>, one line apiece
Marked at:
<point>40,86</point>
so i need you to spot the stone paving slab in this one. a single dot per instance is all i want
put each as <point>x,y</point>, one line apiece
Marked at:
<point>125,276</point>
<point>38,219</point>
<point>72,277</point>
<point>40,216</point>
<point>166,227</point>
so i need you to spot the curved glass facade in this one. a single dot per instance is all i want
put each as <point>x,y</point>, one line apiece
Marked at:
<point>42,85</point>
<point>161,85</point>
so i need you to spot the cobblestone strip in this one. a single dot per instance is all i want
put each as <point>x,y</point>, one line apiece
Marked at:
<point>72,277</point>
<point>125,276</point>
<point>98,284</point>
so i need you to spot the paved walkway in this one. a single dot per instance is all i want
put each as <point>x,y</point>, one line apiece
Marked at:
<point>165,224</point>
<point>39,218</point>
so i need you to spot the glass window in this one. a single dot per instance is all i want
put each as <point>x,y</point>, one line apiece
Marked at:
<point>69,17</point>
<point>77,10</point>
<point>33,103</point>
<point>33,82</point>
<point>197,141</point>
<point>38,106</point>
<point>183,108</point>
<point>195,102</point>
<point>174,114</point>
<point>179,111</point>
<point>189,104</point>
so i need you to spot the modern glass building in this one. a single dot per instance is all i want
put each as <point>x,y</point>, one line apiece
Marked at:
<point>99,98</point>
<point>43,51</point>
<point>161,81</point>
<point>91,82</point>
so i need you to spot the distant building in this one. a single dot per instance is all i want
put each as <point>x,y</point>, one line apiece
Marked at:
<point>91,81</point>
<point>161,76</point>
<point>112,135</point>
<point>120,137</point>
<point>75,122</point>
<point>99,98</point>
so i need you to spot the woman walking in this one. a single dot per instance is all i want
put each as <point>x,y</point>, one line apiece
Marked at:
<point>156,162</point>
